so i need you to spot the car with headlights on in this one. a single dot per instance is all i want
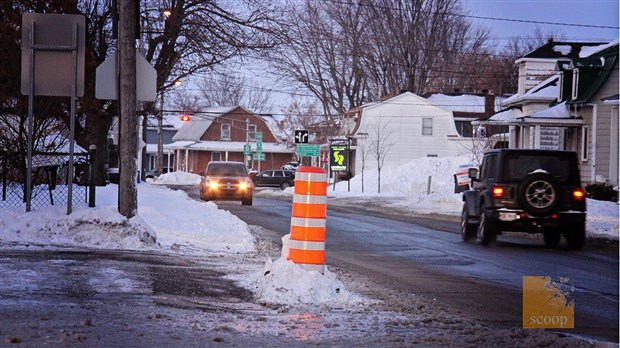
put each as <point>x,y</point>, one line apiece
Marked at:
<point>225,180</point>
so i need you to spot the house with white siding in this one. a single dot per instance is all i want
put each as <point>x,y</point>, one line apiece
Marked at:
<point>406,126</point>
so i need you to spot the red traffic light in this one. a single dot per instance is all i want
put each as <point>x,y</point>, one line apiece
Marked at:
<point>185,118</point>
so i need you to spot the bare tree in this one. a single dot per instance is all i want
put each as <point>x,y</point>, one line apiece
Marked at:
<point>198,35</point>
<point>495,69</point>
<point>226,90</point>
<point>300,115</point>
<point>184,101</point>
<point>323,53</point>
<point>349,53</point>
<point>380,145</point>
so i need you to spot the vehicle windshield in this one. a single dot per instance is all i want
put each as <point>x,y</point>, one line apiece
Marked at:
<point>223,169</point>
<point>518,166</point>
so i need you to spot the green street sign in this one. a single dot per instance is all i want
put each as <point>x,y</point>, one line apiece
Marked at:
<point>247,149</point>
<point>310,150</point>
<point>259,147</point>
<point>259,137</point>
<point>258,156</point>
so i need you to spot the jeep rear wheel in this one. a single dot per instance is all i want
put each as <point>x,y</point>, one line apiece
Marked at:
<point>576,235</point>
<point>487,230</point>
<point>468,230</point>
<point>538,193</point>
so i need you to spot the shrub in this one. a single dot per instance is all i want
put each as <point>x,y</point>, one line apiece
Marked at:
<point>602,192</point>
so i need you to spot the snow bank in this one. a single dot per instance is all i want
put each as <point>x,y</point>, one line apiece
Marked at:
<point>283,282</point>
<point>166,220</point>
<point>176,178</point>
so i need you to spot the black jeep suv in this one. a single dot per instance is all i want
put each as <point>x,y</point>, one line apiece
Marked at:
<point>520,190</point>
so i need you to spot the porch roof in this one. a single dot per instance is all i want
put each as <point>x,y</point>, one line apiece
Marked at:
<point>221,146</point>
<point>557,116</point>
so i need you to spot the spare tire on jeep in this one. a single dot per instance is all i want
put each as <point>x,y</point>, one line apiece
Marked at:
<point>538,193</point>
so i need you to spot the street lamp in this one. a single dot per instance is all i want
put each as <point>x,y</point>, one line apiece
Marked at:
<point>144,19</point>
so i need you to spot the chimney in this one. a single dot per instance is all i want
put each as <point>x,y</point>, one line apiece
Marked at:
<point>489,104</point>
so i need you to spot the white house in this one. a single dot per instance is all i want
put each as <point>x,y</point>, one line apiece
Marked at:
<point>405,127</point>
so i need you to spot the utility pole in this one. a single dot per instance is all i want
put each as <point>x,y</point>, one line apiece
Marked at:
<point>127,191</point>
<point>247,142</point>
<point>160,135</point>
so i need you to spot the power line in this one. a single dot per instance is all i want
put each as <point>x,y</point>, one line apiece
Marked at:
<point>485,18</point>
<point>538,22</point>
<point>436,73</point>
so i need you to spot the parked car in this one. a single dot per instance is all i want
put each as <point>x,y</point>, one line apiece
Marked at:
<point>226,181</point>
<point>274,178</point>
<point>113,175</point>
<point>151,173</point>
<point>291,166</point>
<point>522,190</point>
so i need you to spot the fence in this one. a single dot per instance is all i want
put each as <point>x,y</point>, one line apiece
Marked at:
<point>50,184</point>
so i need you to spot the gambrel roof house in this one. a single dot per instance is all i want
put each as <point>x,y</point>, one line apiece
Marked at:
<point>408,127</point>
<point>221,134</point>
<point>571,109</point>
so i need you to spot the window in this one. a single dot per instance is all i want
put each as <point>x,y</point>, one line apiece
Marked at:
<point>561,84</point>
<point>252,132</point>
<point>464,128</point>
<point>575,84</point>
<point>216,156</point>
<point>488,167</point>
<point>517,166</point>
<point>225,134</point>
<point>427,126</point>
<point>585,135</point>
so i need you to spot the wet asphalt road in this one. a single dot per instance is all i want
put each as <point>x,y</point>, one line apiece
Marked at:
<point>107,298</point>
<point>426,256</point>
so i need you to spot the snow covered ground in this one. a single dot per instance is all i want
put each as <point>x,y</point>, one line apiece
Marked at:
<point>169,221</point>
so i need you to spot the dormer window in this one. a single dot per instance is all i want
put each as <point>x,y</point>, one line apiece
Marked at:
<point>575,90</point>
<point>225,132</point>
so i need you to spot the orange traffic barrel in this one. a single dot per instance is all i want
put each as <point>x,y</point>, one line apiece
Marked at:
<point>308,225</point>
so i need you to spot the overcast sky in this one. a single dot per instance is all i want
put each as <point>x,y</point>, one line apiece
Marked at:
<point>587,13</point>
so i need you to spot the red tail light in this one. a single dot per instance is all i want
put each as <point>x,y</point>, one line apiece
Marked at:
<point>579,195</point>
<point>498,192</point>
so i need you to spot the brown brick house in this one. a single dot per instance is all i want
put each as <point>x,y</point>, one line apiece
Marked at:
<point>221,134</point>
